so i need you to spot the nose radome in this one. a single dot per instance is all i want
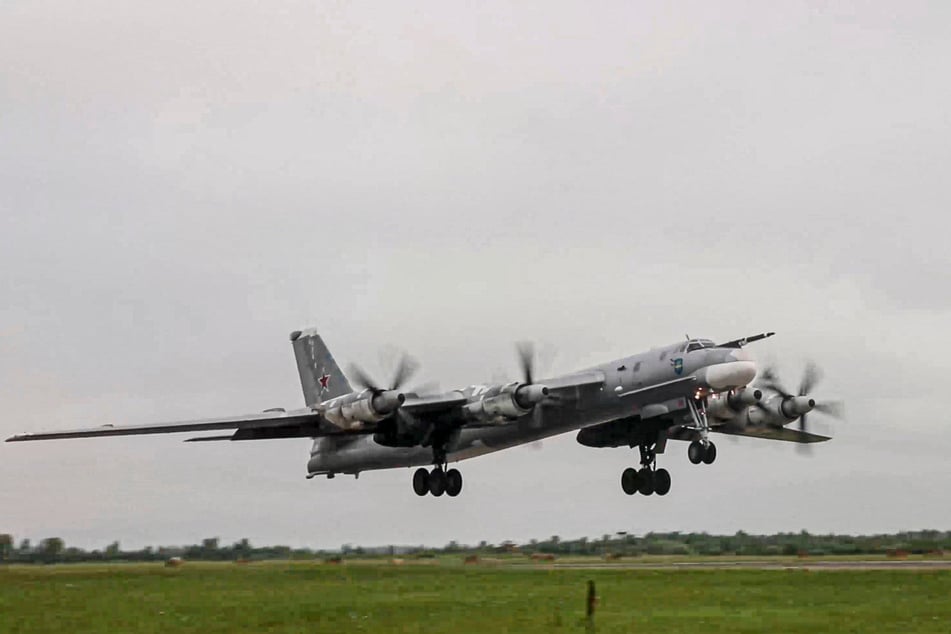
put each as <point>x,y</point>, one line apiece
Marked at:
<point>731,374</point>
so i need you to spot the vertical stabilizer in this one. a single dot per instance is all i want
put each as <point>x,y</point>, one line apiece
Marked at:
<point>320,376</point>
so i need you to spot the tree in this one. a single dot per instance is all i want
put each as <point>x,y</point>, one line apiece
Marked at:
<point>6,547</point>
<point>209,548</point>
<point>51,548</point>
<point>242,549</point>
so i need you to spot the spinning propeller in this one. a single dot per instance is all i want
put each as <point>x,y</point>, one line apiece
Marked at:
<point>529,394</point>
<point>386,400</point>
<point>801,403</point>
<point>404,371</point>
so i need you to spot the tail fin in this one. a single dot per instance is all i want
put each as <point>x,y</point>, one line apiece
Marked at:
<point>320,376</point>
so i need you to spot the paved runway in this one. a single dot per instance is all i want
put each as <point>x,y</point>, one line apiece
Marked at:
<point>885,564</point>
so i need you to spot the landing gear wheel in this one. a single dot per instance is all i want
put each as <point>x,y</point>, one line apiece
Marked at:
<point>645,481</point>
<point>421,482</point>
<point>453,483</point>
<point>709,453</point>
<point>437,482</point>
<point>661,481</point>
<point>629,481</point>
<point>695,452</point>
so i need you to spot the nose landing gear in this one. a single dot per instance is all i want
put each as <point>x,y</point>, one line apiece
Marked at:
<point>698,452</point>
<point>648,479</point>
<point>702,450</point>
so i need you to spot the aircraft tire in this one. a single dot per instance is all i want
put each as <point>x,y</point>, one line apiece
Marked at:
<point>661,482</point>
<point>437,482</point>
<point>695,452</point>
<point>645,481</point>
<point>709,453</point>
<point>421,482</point>
<point>629,481</point>
<point>453,483</point>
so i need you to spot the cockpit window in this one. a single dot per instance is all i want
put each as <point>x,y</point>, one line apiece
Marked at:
<point>697,344</point>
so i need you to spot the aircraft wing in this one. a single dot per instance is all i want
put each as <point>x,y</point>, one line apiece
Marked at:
<point>269,424</point>
<point>572,381</point>
<point>772,433</point>
<point>426,404</point>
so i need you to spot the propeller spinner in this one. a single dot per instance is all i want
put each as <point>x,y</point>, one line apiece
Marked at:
<point>798,405</point>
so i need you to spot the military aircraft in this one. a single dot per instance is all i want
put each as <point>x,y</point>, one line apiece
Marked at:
<point>683,391</point>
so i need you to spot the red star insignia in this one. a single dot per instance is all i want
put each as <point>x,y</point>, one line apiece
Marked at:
<point>324,381</point>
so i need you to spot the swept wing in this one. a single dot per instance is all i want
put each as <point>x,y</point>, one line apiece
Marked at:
<point>304,423</point>
<point>772,433</point>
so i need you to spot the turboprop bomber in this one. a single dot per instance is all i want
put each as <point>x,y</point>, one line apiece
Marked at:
<point>684,391</point>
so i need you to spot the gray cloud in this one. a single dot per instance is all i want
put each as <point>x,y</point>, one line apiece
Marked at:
<point>181,186</point>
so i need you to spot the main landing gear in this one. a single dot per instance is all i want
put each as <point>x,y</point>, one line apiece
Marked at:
<point>648,479</point>
<point>439,480</point>
<point>702,450</point>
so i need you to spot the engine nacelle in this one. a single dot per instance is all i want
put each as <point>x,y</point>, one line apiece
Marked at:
<point>503,404</point>
<point>796,406</point>
<point>734,402</point>
<point>364,407</point>
<point>780,410</point>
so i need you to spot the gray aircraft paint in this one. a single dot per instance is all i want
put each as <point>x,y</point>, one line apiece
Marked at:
<point>620,394</point>
<point>320,376</point>
<point>639,400</point>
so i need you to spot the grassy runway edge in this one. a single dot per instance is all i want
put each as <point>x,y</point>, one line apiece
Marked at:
<point>370,597</point>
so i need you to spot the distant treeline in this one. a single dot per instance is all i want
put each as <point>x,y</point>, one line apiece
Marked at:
<point>54,550</point>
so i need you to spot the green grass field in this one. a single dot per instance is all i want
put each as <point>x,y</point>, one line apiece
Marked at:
<point>310,597</point>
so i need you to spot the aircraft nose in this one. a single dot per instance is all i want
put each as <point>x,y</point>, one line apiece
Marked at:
<point>740,354</point>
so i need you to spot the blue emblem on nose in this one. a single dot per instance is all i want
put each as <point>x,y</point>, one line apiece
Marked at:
<point>678,364</point>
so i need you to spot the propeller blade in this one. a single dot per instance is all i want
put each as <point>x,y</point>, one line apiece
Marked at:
<point>810,378</point>
<point>537,417</point>
<point>526,357</point>
<point>804,449</point>
<point>363,379</point>
<point>802,423</point>
<point>406,369</point>
<point>430,388</point>
<point>836,409</point>
<point>770,381</point>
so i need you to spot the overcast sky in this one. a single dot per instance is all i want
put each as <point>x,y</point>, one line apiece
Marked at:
<point>182,184</point>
